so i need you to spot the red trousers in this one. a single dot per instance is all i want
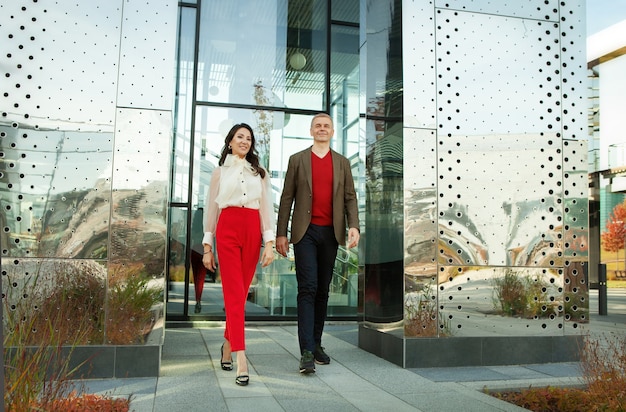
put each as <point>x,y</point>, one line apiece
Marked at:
<point>238,243</point>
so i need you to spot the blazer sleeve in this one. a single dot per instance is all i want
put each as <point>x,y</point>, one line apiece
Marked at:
<point>350,200</point>
<point>286,198</point>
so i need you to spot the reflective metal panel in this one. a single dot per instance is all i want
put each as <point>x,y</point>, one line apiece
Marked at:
<point>576,234</point>
<point>501,301</point>
<point>499,162</point>
<point>496,75</point>
<point>384,218</point>
<point>139,188</point>
<point>384,259</point>
<point>55,187</point>
<point>137,258</point>
<point>418,60</point>
<point>384,80</point>
<point>576,203</point>
<point>57,151</point>
<point>54,300</point>
<point>499,201</point>
<point>576,296</point>
<point>61,69</point>
<point>420,202</point>
<point>511,193</point>
<point>574,69</point>
<point>540,10</point>
<point>420,233</point>
<point>147,51</point>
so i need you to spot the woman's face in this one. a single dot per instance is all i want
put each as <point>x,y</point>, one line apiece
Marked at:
<point>241,142</point>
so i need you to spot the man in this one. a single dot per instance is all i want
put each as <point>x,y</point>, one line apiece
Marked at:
<point>319,184</point>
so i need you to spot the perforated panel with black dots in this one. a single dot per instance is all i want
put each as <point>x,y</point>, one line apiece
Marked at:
<point>506,167</point>
<point>85,130</point>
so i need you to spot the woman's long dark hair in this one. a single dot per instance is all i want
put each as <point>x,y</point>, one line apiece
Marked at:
<point>252,156</point>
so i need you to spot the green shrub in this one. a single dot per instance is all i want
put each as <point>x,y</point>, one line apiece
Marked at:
<point>521,295</point>
<point>422,317</point>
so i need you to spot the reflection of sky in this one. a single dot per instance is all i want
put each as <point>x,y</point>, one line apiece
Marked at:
<point>78,55</point>
<point>604,13</point>
<point>60,162</point>
<point>491,173</point>
<point>499,89</point>
<point>74,60</point>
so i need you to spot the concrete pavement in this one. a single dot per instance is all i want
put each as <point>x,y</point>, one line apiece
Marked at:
<point>191,378</point>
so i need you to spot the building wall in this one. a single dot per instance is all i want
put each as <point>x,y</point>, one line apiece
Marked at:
<point>476,168</point>
<point>85,134</point>
<point>494,181</point>
<point>606,59</point>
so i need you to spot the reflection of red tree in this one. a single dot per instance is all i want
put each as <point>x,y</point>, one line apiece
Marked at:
<point>615,236</point>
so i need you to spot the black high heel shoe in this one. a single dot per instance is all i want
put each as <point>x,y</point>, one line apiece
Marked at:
<point>242,380</point>
<point>226,365</point>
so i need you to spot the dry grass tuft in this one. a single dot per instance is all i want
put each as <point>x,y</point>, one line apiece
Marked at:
<point>603,367</point>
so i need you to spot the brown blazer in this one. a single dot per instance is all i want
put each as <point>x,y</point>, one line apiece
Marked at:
<point>298,190</point>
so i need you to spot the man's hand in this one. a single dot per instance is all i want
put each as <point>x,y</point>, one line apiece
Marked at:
<point>353,237</point>
<point>282,245</point>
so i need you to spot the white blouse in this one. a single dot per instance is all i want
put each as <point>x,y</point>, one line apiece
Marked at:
<point>235,184</point>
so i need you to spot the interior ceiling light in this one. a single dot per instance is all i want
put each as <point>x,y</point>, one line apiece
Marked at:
<point>297,60</point>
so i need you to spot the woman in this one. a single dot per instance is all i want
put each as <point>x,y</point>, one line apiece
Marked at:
<point>239,213</point>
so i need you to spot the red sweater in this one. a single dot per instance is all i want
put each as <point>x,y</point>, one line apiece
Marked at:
<point>322,171</point>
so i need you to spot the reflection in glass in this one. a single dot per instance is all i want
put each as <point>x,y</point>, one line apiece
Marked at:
<point>241,63</point>
<point>384,260</point>
<point>58,299</point>
<point>273,291</point>
<point>384,221</point>
<point>177,247</point>
<point>56,201</point>
<point>504,301</point>
<point>498,192</point>
<point>86,184</point>
<point>421,312</point>
<point>184,106</point>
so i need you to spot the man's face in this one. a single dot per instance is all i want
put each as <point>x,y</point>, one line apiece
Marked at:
<point>322,129</point>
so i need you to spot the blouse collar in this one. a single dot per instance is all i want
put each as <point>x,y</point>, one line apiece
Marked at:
<point>234,160</point>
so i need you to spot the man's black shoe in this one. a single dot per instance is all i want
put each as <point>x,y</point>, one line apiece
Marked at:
<point>307,363</point>
<point>321,358</point>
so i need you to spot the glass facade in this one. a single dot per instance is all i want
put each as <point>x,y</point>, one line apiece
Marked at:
<point>298,58</point>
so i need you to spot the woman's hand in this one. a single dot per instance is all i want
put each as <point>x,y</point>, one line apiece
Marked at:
<point>268,254</point>
<point>208,260</point>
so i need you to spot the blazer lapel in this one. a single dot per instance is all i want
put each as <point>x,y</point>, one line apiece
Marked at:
<point>336,173</point>
<point>306,163</point>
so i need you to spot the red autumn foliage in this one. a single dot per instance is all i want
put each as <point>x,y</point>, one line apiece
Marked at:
<point>615,236</point>
<point>603,367</point>
<point>86,403</point>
